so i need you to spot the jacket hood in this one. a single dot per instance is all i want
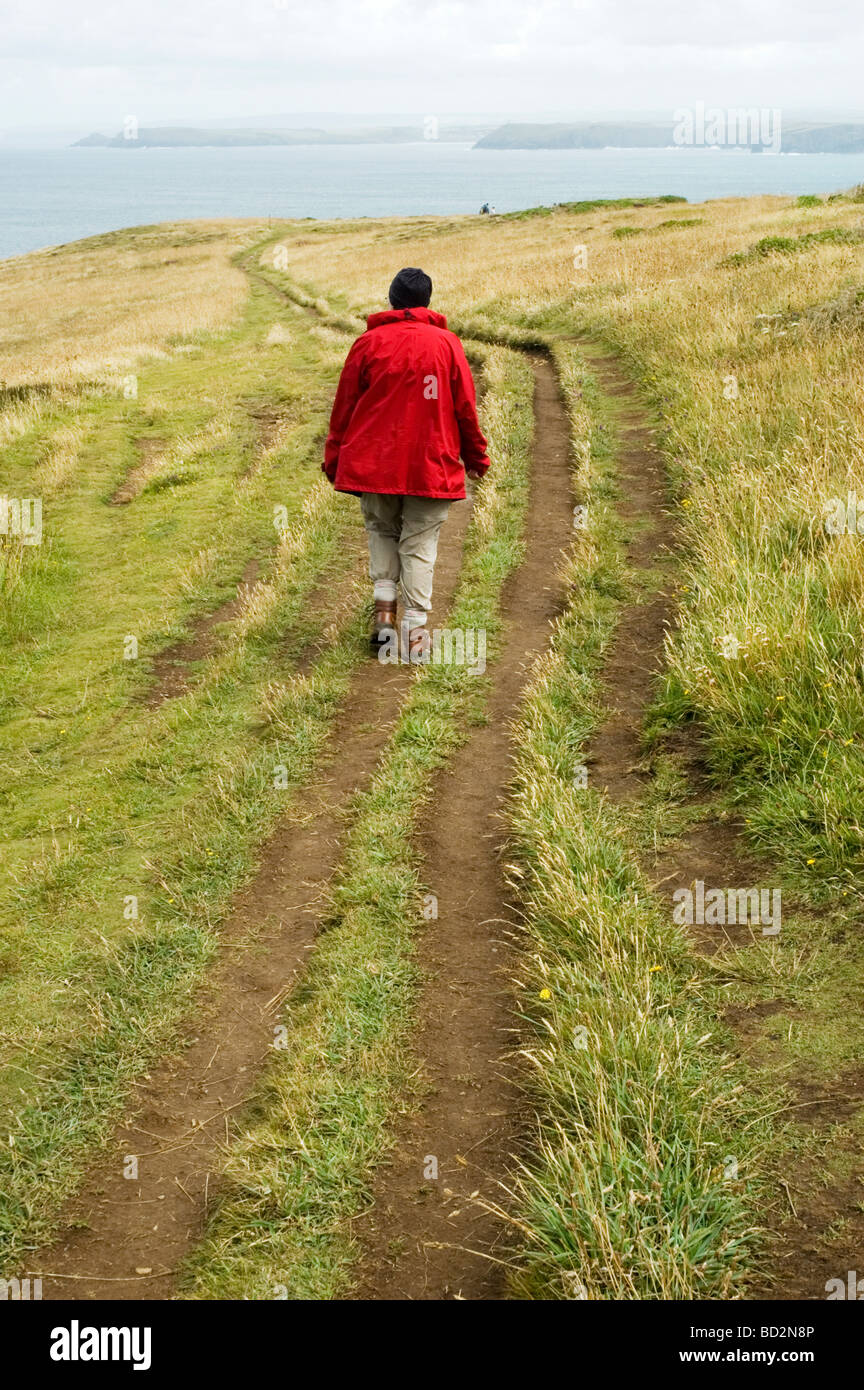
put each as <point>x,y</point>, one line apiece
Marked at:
<point>418,314</point>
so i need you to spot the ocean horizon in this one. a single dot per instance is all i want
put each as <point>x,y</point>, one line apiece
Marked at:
<point>51,197</point>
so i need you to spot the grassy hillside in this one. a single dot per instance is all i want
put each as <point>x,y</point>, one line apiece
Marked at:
<point>751,366</point>
<point>193,619</point>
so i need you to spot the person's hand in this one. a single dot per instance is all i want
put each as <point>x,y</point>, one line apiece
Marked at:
<point>472,473</point>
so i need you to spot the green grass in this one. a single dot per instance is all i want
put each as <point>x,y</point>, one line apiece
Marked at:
<point>621,233</point>
<point>89,998</point>
<point>623,1194</point>
<point>791,246</point>
<point>589,205</point>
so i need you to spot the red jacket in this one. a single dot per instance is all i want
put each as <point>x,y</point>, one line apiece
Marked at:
<point>405,410</point>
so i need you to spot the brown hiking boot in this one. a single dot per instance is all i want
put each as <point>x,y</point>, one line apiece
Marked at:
<point>384,626</point>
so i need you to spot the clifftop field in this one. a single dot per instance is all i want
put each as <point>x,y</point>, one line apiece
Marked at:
<point>536,978</point>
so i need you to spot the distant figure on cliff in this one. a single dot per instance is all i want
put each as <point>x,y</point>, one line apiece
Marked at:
<point>404,415</point>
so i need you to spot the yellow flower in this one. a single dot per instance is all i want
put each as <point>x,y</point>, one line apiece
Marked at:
<point>545,994</point>
<point>811,861</point>
<point>653,968</point>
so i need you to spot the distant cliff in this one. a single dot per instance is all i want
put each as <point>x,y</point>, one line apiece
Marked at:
<point>801,138</point>
<point>846,138</point>
<point>584,135</point>
<point>165,137</point>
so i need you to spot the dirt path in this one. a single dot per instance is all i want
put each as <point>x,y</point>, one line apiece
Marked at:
<point>118,1226</point>
<point>171,668</point>
<point>151,454</point>
<point>431,1238</point>
<point>125,1237</point>
<point>712,849</point>
<point>635,655</point>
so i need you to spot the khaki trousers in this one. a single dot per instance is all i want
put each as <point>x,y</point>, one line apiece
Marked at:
<point>402,533</point>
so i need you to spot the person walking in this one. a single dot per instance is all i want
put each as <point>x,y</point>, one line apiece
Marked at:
<point>403,434</point>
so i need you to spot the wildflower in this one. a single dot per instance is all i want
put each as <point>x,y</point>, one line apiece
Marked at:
<point>545,994</point>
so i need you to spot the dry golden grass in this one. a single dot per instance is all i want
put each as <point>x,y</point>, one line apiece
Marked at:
<point>529,263</point>
<point>57,468</point>
<point>96,307</point>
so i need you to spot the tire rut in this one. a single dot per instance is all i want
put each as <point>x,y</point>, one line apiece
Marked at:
<point>171,674</point>
<point>178,1130</point>
<point>433,1238</point>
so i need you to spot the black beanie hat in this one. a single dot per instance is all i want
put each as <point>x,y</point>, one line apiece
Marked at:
<point>410,288</point>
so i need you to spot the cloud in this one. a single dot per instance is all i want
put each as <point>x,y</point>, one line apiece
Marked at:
<point>98,59</point>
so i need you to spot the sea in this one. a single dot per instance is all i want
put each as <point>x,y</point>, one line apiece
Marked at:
<point>52,196</point>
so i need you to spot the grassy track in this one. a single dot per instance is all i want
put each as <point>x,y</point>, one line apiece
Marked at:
<point>301,1172</point>
<point>107,819</point>
<point>625,1195</point>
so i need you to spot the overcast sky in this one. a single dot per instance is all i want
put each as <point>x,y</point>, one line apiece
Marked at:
<point>89,64</point>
